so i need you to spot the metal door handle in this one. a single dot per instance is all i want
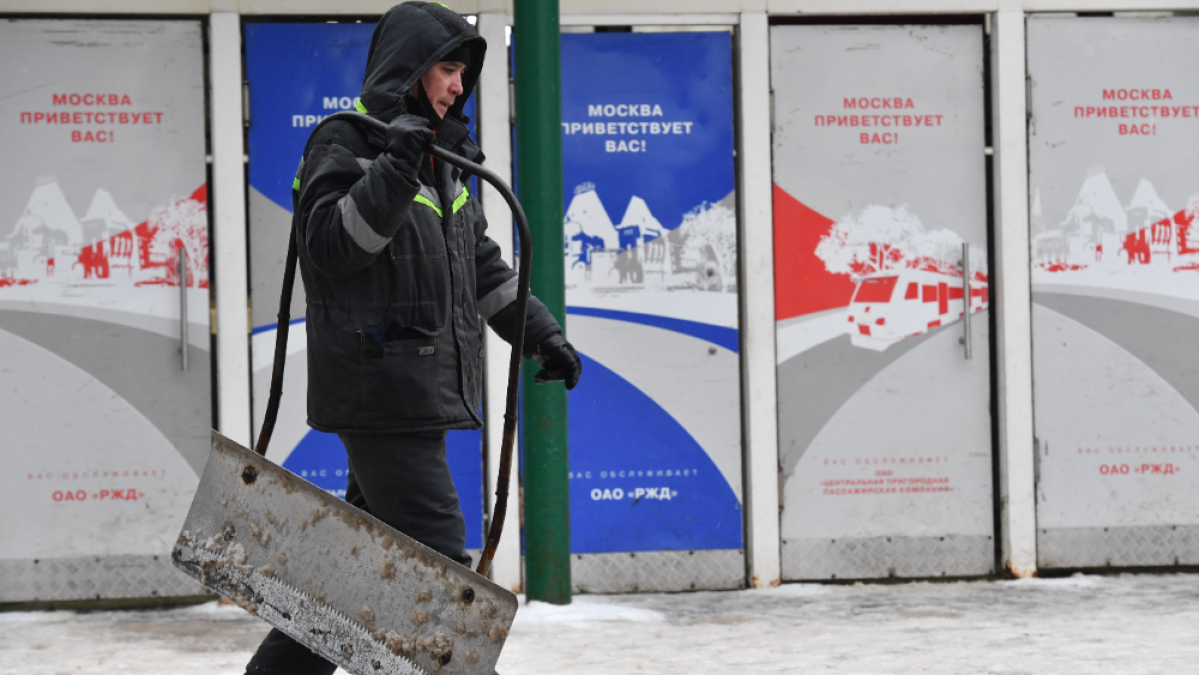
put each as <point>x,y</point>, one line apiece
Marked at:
<point>183,305</point>
<point>966,297</point>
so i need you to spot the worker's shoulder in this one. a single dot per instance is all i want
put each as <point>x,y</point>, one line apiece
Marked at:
<point>345,134</point>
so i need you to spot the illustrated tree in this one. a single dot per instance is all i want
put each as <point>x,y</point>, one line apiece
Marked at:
<point>883,238</point>
<point>878,239</point>
<point>181,224</point>
<point>711,231</point>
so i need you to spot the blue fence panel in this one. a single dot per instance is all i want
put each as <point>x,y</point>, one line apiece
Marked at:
<point>650,251</point>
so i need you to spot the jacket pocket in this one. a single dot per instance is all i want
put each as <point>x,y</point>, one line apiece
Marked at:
<point>419,238</point>
<point>417,289</point>
<point>400,383</point>
<point>334,364</point>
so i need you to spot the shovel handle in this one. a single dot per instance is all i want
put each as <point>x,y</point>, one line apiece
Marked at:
<point>272,401</point>
<point>524,268</point>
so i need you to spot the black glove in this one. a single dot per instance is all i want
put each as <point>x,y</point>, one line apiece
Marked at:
<point>558,361</point>
<point>407,137</point>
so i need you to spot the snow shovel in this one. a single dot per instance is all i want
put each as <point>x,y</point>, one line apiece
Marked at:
<point>354,590</point>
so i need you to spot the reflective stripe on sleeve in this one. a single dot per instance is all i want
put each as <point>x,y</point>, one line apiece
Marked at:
<point>359,230</point>
<point>499,298</point>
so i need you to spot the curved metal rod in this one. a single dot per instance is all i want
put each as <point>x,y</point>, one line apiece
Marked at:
<point>284,315</point>
<point>524,269</point>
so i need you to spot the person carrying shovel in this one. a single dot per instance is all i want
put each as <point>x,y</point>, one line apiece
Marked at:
<point>398,270</point>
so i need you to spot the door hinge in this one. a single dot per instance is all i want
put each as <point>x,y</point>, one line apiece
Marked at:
<point>1028,96</point>
<point>1036,460</point>
<point>772,113</point>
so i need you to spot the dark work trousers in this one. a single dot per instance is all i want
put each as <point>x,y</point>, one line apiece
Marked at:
<point>403,480</point>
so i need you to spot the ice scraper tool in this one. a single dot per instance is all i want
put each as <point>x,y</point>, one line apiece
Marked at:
<point>351,588</point>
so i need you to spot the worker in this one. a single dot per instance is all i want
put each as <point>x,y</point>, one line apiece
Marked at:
<point>398,270</point>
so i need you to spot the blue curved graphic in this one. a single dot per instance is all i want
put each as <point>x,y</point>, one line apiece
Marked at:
<point>625,452</point>
<point>273,326</point>
<point>320,458</point>
<point>717,335</point>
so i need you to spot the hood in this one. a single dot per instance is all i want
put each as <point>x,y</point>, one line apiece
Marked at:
<point>407,41</point>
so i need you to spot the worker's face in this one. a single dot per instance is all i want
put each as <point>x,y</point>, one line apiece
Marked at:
<point>442,84</point>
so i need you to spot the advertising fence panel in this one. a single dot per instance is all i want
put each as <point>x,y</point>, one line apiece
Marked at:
<point>884,422</point>
<point>103,243</point>
<point>651,272</point>
<point>298,73</point>
<point>1114,184</point>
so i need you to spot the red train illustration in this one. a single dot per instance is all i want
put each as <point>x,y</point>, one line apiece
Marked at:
<point>891,305</point>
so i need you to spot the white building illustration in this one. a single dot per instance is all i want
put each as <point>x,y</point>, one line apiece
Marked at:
<point>698,253</point>
<point>1100,233</point>
<point>48,244</point>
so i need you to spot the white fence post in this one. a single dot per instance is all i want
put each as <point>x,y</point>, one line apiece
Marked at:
<point>757,302</point>
<point>228,201</point>
<point>1013,303</point>
<point>495,134</point>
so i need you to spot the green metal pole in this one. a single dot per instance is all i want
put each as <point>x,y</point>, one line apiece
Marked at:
<point>539,181</point>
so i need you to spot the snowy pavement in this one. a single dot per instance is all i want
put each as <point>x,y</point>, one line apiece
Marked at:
<point>1083,624</point>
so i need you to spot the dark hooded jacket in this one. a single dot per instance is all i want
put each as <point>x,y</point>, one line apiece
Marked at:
<point>398,272</point>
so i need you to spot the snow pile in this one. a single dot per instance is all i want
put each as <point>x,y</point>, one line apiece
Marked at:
<point>583,609</point>
<point>217,610</point>
<point>31,617</point>
<point>795,590</point>
<point>1077,580</point>
<point>1081,625</point>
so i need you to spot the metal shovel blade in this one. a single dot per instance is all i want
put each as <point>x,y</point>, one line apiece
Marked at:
<point>351,588</point>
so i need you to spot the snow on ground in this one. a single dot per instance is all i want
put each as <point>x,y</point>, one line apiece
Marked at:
<point>1136,624</point>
